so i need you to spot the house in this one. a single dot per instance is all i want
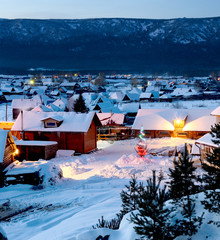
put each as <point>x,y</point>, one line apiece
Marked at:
<point>7,152</point>
<point>116,96</point>
<point>113,126</point>
<point>205,144</point>
<point>23,104</point>
<point>72,131</point>
<point>131,97</point>
<point>187,123</point>
<point>152,96</point>
<point>130,110</point>
<point>105,107</point>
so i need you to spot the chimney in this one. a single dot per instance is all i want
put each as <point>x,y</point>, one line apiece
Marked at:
<point>22,126</point>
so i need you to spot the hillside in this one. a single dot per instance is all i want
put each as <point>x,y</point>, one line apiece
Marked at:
<point>176,45</point>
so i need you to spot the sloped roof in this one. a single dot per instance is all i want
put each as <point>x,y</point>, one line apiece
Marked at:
<point>145,95</point>
<point>129,107</point>
<point>72,122</point>
<point>54,108</point>
<point>25,104</point>
<point>206,140</point>
<point>106,118</point>
<point>162,119</point>
<point>60,103</point>
<point>203,123</point>
<point>133,96</point>
<point>216,112</point>
<point>55,117</point>
<point>42,108</point>
<point>150,119</point>
<point>116,95</point>
<point>199,120</point>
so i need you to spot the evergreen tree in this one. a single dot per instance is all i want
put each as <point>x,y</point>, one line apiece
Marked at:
<point>189,223</point>
<point>182,177</point>
<point>131,195</point>
<point>212,176</point>
<point>151,221</point>
<point>79,105</point>
<point>181,187</point>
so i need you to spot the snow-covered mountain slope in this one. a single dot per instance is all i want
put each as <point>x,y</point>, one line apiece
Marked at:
<point>110,43</point>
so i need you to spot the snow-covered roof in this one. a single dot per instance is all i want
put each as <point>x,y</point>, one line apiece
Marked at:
<point>150,119</point>
<point>216,112</point>
<point>135,90</point>
<point>133,96</point>
<point>203,123</point>
<point>199,120</point>
<point>44,98</point>
<point>129,107</point>
<point>72,122</point>
<point>162,119</point>
<point>165,96</point>
<point>24,167</point>
<point>54,108</point>
<point>206,140</point>
<point>111,108</point>
<point>60,103</point>
<point>34,143</point>
<point>184,91</point>
<point>25,104</point>
<point>55,117</point>
<point>145,95</point>
<point>42,108</point>
<point>3,140</point>
<point>116,95</point>
<point>109,118</point>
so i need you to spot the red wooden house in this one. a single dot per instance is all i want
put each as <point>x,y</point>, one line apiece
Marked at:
<point>72,131</point>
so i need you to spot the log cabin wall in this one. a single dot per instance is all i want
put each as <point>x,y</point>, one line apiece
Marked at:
<point>90,138</point>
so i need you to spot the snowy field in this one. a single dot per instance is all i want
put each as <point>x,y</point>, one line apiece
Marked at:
<point>90,189</point>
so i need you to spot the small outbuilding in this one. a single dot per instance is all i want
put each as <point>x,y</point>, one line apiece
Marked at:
<point>7,152</point>
<point>185,123</point>
<point>35,150</point>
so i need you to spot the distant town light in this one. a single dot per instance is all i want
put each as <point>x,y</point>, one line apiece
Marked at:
<point>32,82</point>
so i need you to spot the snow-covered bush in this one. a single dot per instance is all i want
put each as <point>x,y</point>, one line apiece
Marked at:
<point>125,232</point>
<point>50,173</point>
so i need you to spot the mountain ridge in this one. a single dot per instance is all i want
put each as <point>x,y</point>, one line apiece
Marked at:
<point>147,45</point>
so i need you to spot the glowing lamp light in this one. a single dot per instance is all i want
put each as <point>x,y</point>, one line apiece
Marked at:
<point>178,121</point>
<point>32,82</point>
<point>16,152</point>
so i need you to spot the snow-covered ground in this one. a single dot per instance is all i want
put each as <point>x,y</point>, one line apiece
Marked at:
<point>90,189</point>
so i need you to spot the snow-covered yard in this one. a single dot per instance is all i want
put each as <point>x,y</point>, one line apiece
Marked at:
<point>90,189</point>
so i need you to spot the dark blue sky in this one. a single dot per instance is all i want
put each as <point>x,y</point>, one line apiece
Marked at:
<point>108,8</point>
